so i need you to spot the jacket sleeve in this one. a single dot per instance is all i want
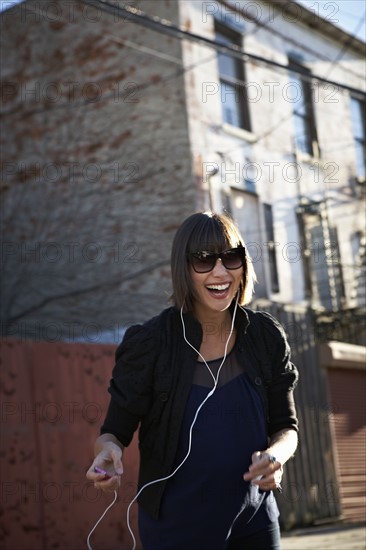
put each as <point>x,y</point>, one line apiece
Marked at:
<point>281,405</point>
<point>131,384</point>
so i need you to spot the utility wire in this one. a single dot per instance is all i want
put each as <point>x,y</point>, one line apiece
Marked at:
<point>146,20</point>
<point>235,51</point>
<point>283,36</point>
<point>166,27</point>
<point>307,103</point>
<point>304,75</point>
<point>346,45</point>
<point>139,17</point>
<point>135,87</point>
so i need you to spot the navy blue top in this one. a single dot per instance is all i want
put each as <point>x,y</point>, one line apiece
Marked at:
<point>207,500</point>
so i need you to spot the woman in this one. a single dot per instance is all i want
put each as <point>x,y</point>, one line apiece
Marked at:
<point>211,385</point>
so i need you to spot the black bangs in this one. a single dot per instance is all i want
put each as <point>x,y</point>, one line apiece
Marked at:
<point>210,234</point>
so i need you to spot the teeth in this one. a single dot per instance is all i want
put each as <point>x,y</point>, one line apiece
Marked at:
<point>218,287</point>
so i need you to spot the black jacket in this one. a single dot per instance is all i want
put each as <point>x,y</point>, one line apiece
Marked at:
<point>153,375</point>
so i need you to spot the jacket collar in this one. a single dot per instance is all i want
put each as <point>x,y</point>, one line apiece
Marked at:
<point>194,330</point>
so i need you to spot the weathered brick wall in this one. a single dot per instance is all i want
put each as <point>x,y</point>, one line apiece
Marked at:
<point>107,144</point>
<point>96,169</point>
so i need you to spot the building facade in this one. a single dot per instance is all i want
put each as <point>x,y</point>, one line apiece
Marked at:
<point>282,146</point>
<point>117,126</point>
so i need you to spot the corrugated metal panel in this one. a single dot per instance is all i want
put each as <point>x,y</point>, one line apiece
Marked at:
<point>53,400</point>
<point>348,391</point>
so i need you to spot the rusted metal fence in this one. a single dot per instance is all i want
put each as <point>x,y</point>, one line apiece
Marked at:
<point>53,400</point>
<point>310,486</point>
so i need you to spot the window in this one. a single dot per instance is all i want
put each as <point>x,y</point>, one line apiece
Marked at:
<point>358,285</point>
<point>234,98</point>
<point>327,267</point>
<point>322,260</point>
<point>358,114</point>
<point>268,221</point>
<point>299,93</point>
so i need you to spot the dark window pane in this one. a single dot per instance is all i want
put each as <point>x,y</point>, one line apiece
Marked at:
<point>360,159</point>
<point>302,135</point>
<point>300,95</point>
<point>234,99</point>
<point>227,64</point>
<point>268,219</point>
<point>357,119</point>
<point>358,112</point>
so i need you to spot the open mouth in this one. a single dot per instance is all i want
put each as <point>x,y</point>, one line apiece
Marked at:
<point>218,290</point>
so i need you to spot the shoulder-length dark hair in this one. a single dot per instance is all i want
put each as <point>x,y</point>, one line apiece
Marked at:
<point>212,232</point>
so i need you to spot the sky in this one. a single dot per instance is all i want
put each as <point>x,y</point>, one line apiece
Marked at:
<point>346,14</point>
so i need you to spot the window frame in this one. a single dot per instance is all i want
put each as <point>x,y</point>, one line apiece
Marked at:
<point>310,137</point>
<point>272,258</point>
<point>239,82</point>
<point>322,261</point>
<point>359,141</point>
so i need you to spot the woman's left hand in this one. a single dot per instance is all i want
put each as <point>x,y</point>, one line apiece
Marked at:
<point>265,471</point>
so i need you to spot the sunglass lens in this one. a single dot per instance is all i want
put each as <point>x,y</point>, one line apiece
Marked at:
<point>203,262</point>
<point>232,259</point>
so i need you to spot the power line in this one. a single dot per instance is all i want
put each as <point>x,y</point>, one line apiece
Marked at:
<point>112,95</point>
<point>182,70</point>
<point>235,51</point>
<point>347,44</point>
<point>284,37</point>
<point>231,50</point>
<point>166,27</point>
<point>287,117</point>
<point>133,12</point>
<point>309,101</point>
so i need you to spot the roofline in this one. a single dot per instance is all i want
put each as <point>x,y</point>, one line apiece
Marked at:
<point>312,20</point>
<point>308,17</point>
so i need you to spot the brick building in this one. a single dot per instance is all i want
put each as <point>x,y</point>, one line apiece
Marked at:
<point>96,168</point>
<point>117,126</point>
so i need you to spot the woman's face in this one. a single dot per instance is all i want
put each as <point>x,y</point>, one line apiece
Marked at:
<point>215,290</point>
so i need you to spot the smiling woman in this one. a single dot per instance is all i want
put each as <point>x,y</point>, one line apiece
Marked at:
<point>207,471</point>
<point>210,270</point>
<point>203,243</point>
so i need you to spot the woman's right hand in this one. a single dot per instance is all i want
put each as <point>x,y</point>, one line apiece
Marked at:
<point>108,459</point>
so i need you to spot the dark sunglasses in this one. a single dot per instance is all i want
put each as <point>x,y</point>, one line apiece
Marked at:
<point>203,262</point>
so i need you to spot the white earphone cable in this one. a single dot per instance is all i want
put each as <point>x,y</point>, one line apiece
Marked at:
<point>99,520</point>
<point>216,379</point>
<point>194,419</point>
